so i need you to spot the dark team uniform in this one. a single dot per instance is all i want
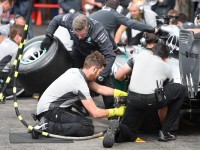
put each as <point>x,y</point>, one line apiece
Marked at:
<point>97,39</point>
<point>111,19</point>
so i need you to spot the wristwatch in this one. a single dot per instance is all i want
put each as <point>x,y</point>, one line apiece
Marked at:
<point>100,78</point>
<point>49,35</point>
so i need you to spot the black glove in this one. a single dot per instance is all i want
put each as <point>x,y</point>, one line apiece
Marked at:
<point>121,44</point>
<point>46,43</point>
<point>119,52</point>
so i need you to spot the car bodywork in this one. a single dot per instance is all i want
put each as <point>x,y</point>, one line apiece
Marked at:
<point>184,62</point>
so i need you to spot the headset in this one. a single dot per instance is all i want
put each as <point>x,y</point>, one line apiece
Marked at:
<point>148,38</point>
<point>141,8</point>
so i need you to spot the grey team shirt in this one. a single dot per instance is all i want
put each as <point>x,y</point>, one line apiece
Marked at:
<point>64,91</point>
<point>111,19</point>
<point>146,70</point>
<point>8,51</point>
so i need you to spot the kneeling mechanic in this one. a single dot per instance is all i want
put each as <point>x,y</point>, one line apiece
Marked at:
<point>54,109</point>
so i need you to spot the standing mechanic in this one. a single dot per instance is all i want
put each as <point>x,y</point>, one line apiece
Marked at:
<point>141,15</point>
<point>111,19</point>
<point>69,5</point>
<point>54,109</point>
<point>148,68</point>
<point>88,35</point>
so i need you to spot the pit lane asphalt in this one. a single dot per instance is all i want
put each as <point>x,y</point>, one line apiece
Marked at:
<point>188,137</point>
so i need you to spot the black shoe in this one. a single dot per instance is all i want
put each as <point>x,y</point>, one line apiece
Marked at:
<point>109,138</point>
<point>166,137</point>
<point>42,125</point>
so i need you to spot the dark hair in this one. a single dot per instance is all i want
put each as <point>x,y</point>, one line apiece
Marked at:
<point>182,18</point>
<point>125,3</point>
<point>16,29</point>
<point>150,38</point>
<point>112,3</point>
<point>161,50</point>
<point>95,59</point>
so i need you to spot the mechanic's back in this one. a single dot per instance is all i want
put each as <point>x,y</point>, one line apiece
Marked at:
<point>111,19</point>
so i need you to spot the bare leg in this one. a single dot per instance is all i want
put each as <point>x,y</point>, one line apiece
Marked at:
<point>162,112</point>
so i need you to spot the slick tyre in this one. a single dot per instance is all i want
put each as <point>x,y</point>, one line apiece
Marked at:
<point>39,68</point>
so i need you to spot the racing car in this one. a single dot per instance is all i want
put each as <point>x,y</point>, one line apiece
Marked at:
<point>39,68</point>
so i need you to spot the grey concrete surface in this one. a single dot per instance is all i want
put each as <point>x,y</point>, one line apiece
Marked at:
<point>188,137</point>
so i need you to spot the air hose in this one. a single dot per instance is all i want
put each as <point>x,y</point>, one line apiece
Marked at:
<point>14,73</point>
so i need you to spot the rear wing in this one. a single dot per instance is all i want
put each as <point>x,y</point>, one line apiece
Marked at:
<point>189,54</point>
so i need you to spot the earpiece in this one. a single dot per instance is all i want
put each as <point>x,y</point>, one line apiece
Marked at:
<point>141,7</point>
<point>148,38</point>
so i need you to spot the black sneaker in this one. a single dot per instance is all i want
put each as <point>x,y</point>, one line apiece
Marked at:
<point>109,137</point>
<point>166,137</point>
<point>42,125</point>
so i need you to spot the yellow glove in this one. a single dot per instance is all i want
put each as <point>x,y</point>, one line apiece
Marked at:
<point>116,111</point>
<point>119,93</point>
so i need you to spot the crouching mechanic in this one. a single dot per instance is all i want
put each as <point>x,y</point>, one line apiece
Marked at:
<point>8,50</point>
<point>88,35</point>
<point>54,109</point>
<point>148,68</point>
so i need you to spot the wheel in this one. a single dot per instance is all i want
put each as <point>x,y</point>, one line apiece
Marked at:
<point>39,68</point>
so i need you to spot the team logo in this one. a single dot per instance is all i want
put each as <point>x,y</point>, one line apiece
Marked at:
<point>88,40</point>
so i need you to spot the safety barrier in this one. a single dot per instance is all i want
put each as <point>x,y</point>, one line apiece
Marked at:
<point>38,7</point>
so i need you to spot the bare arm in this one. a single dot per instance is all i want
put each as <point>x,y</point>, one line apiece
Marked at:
<point>122,72</point>
<point>119,32</point>
<point>94,110</point>
<point>195,30</point>
<point>93,2</point>
<point>103,90</point>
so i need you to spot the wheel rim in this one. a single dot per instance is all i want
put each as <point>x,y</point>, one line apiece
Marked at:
<point>32,53</point>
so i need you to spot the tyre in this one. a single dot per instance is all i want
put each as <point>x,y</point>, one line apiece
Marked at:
<point>39,68</point>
